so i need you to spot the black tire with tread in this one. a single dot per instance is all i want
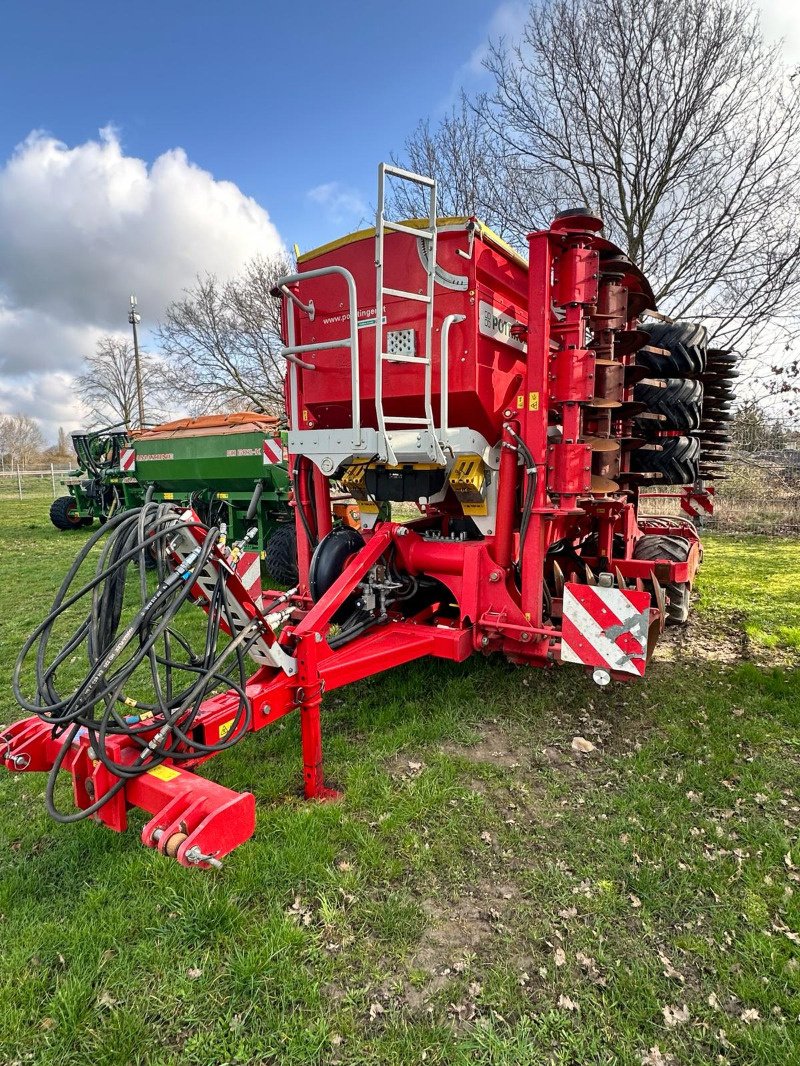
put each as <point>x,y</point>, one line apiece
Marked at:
<point>675,549</point>
<point>677,461</point>
<point>64,513</point>
<point>680,400</point>
<point>281,555</point>
<point>687,343</point>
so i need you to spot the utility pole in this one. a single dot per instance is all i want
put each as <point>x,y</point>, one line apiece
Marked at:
<point>134,317</point>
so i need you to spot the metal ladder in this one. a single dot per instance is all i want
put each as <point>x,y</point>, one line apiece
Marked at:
<point>424,426</point>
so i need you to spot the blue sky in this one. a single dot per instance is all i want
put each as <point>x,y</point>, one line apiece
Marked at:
<point>143,144</point>
<point>278,97</point>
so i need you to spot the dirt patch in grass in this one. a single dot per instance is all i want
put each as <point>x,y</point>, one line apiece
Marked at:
<point>495,746</point>
<point>704,639</point>
<point>458,933</point>
<point>711,638</point>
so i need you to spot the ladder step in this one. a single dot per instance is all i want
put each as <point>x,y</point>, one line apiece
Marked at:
<point>398,421</point>
<point>390,358</point>
<point>426,234</point>
<point>407,295</point>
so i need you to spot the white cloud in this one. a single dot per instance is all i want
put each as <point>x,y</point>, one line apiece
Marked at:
<point>83,227</point>
<point>341,203</point>
<point>507,21</point>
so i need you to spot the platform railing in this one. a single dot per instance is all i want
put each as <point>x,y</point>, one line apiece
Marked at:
<point>292,352</point>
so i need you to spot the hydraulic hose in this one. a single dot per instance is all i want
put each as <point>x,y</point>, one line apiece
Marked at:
<point>124,667</point>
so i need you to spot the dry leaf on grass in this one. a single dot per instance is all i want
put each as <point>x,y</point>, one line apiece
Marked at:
<point>656,1057</point>
<point>566,1003</point>
<point>675,1016</point>
<point>583,745</point>
<point>669,969</point>
<point>589,967</point>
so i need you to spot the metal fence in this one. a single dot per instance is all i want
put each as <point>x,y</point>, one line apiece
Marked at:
<point>17,484</point>
<point>760,493</point>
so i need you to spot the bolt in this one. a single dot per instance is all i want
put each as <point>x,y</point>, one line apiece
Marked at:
<point>494,576</point>
<point>401,531</point>
<point>484,642</point>
<point>194,856</point>
<point>525,637</point>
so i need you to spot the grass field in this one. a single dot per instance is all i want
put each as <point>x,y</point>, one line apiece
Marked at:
<point>481,894</point>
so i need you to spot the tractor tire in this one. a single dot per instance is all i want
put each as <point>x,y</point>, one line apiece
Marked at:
<point>281,556</point>
<point>64,513</point>
<point>327,563</point>
<point>653,546</point>
<point>679,400</point>
<point>677,461</point>
<point>687,343</point>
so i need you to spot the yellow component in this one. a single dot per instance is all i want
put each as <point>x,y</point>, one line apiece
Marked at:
<point>225,728</point>
<point>129,702</point>
<point>468,482</point>
<point>442,224</point>
<point>520,401</point>
<point>222,495</point>
<point>353,481</point>
<point>533,401</point>
<point>169,495</point>
<point>164,773</point>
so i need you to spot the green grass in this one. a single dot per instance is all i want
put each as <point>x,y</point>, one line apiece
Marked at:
<point>423,917</point>
<point>755,578</point>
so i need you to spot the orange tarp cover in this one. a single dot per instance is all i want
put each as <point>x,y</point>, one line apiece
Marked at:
<point>208,425</point>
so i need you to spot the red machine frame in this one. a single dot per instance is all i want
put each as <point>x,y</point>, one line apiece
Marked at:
<point>577,281</point>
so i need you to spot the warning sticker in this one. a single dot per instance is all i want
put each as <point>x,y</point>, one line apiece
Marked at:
<point>225,728</point>
<point>164,773</point>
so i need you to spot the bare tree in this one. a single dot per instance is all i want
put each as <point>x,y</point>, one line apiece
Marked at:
<point>21,440</point>
<point>677,123</point>
<point>222,341</point>
<point>466,158</point>
<point>107,387</point>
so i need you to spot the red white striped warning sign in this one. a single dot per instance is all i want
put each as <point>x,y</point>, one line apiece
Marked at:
<point>127,460</point>
<point>605,627</point>
<point>693,499</point>
<point>273,450</point>
<point>248,570</point>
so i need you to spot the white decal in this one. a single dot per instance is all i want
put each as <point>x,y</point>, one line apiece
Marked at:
<point>492,323</point>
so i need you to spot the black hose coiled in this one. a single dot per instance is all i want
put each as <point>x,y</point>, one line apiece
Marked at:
<point>131,653</point>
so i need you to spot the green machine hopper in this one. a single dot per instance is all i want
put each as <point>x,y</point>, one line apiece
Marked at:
<point>230,468</point>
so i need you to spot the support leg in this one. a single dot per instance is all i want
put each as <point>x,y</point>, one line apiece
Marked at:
<point>310,685</point>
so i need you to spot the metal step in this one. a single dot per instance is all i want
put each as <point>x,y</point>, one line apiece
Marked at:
<point>390,357</point>
<point>418,296</point>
